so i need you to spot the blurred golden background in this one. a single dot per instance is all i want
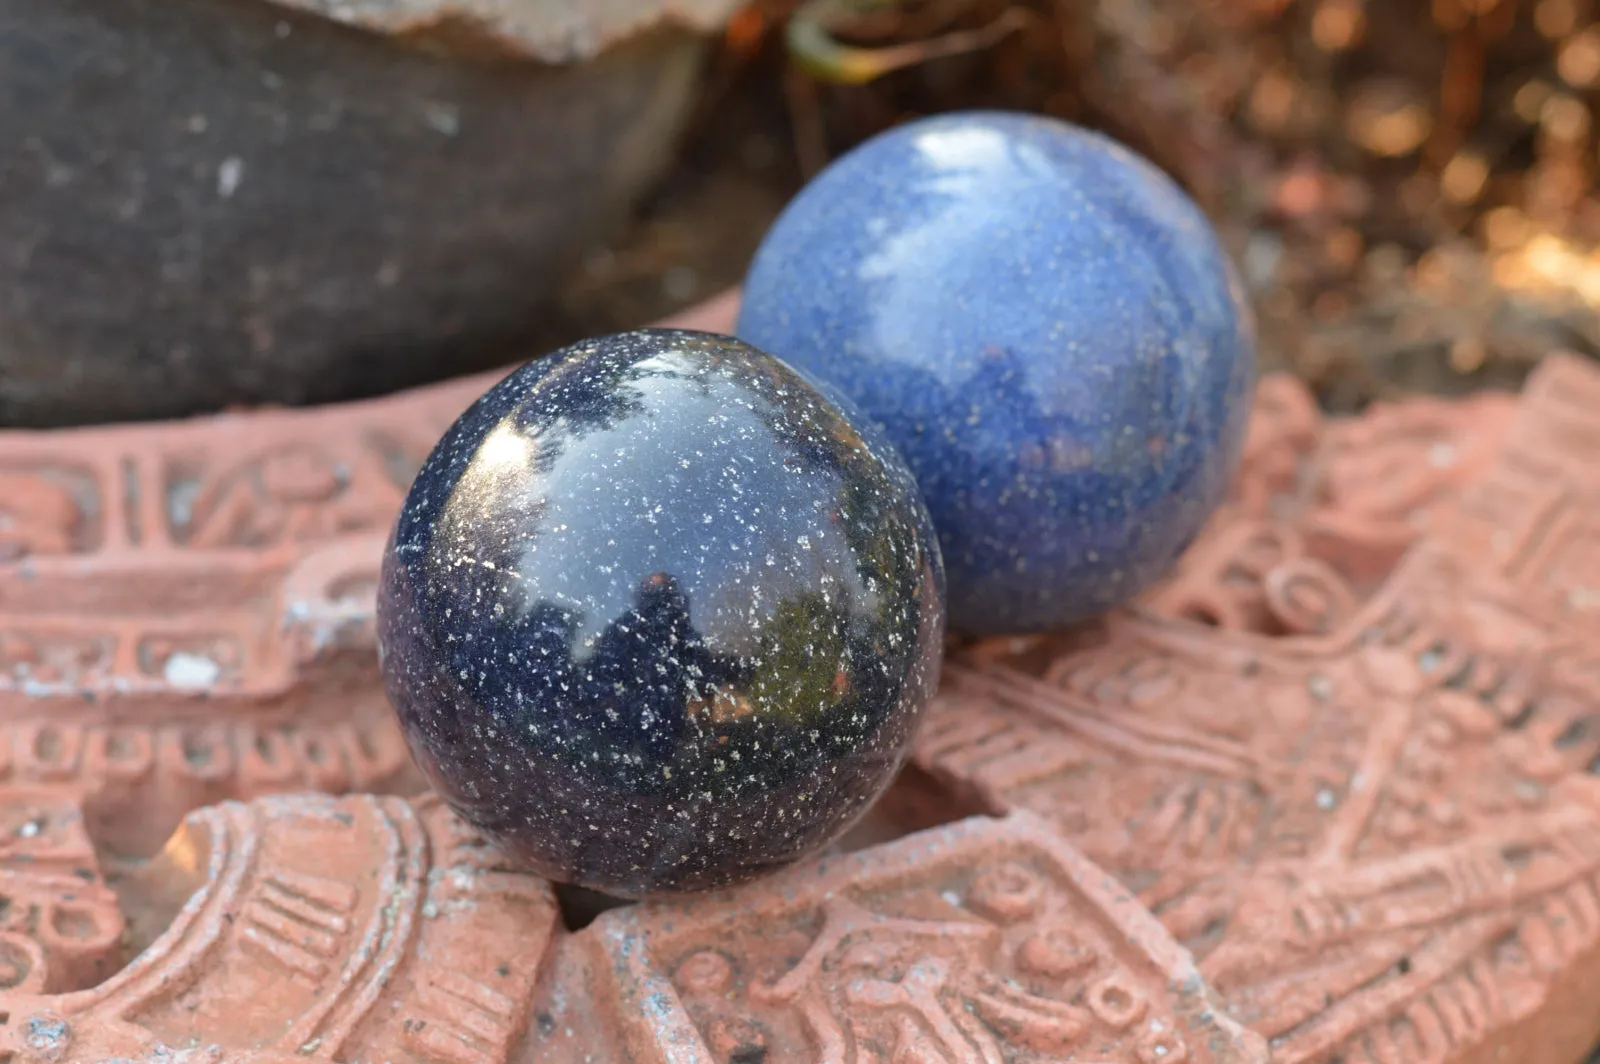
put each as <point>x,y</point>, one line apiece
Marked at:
<point>1407,185</point>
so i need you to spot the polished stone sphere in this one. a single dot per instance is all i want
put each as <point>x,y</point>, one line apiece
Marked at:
<point>1048,330</point>
<point>659,615</point>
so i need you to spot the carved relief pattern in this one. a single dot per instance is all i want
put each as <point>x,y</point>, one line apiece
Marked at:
<point>352,912</point>
<point>48,508</point>
<point>1396,911</point>
<point>1322,511</point>
<point>59,924</point>
<point>186,610</point>
<point>230,531</point>
<point>1344,768</point>
<point>1533,518</point>
<point>997,943</point>
<point>1329,818</point>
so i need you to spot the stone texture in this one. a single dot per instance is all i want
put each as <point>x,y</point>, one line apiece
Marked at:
<point>1367,834</point>
<point>219,202</point>
<point>551,31</point>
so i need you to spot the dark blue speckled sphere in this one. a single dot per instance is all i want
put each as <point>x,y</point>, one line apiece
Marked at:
<point>1049,331</point>
<point>657,617</point>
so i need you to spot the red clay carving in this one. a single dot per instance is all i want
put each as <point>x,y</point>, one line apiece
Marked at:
<point>984,941</point>
<point>309,927</point>
<point>1331,794</point>
<point>1381,842</point>
<point>1322,511</point>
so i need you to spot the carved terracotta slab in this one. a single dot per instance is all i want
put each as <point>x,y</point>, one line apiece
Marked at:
<point>308,927</point>
<point>1381,842</point>
<point>983,941</point>
<point>1330,794</point>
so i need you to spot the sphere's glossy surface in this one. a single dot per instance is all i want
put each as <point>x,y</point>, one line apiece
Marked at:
<point>1050,333</point>
<point>657,617</point>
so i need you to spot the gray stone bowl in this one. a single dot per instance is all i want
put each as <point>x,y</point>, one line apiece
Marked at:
<point>206,203</point>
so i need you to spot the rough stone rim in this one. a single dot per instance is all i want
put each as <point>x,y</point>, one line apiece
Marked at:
<point>547,31</point>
